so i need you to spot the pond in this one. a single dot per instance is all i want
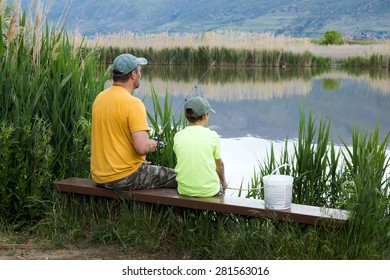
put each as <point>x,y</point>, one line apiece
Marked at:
<point>256,107</point>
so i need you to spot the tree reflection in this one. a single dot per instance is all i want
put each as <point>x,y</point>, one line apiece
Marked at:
<point>331,84</point>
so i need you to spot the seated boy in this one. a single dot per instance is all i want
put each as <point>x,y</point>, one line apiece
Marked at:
<point>200,169</point>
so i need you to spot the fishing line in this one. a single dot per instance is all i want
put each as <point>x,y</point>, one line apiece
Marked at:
<point>192,89</point>
<point>161,144</point>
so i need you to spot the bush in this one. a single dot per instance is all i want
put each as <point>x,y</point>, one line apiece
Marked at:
<point>332,37</point>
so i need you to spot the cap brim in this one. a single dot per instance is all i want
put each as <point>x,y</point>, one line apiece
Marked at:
<point>141,61</point>
<point>212,110</point>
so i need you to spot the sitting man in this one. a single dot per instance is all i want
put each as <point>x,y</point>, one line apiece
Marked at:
<point>200,169</point>
<point>119,137</point>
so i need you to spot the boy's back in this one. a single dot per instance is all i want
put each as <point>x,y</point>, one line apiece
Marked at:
<point>196,148</point>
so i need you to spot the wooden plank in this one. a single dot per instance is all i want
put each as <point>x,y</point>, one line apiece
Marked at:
<point>86,186</point>
<point>227,204</point>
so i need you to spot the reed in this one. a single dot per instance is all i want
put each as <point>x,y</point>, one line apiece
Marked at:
<point>373,61</point>
<point>352,178</point>
<point>223,56</point>
<point>26,171</point>
<point>47,89</point>
<point>314,164</point>
<point>238,41</point>
<point>231,48</point>
<point>311,162</point>
<point>163,122</point>
<point>368,189</point>
<point>222,38</point>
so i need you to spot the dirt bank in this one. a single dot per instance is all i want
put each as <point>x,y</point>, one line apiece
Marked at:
<point>34,249</point>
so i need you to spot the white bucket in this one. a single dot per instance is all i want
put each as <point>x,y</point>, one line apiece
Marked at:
<point>278,191</point>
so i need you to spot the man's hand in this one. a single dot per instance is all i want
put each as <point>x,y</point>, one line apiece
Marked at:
<point>152,145</point>
<point>142,143</point>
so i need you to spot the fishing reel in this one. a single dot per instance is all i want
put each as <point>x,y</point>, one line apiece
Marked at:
<point>160,144</point>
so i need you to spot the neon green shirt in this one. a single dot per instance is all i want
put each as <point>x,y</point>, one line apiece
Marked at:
<point>196,148</point>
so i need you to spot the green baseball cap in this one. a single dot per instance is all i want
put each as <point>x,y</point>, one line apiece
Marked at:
<point>199,106</point>
<point>125,63</point>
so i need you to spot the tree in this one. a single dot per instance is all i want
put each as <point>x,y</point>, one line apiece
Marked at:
<point>332,37</point>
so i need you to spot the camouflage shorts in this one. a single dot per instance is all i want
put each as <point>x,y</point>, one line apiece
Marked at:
<point>146,177</point>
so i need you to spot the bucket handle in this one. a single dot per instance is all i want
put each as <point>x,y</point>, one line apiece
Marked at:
<point>277,169</point>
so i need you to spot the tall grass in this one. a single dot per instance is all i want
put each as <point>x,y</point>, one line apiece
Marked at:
<point>164,124</point>
<point>241,49</point>
<point>238,41</point>
<point>373,61</point>
<point>314,164</point>
<point>352,178</point>
<point>26,170</point>
<point>212,39</point>
<point>311,165</point>
<point>223,56</point>
<point>47,89</point>
<point>369,189</point>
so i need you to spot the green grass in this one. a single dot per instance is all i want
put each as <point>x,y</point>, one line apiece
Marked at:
<point>373,61</point>
<point>164,127</point>
<point>47,88</point>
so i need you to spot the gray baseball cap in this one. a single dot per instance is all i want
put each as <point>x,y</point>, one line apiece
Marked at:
<point>125,63</point>
<point>199,106</point>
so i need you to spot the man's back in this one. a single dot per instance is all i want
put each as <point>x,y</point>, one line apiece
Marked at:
<point>115,115</point>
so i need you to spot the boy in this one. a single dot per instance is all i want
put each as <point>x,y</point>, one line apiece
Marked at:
<point>199,169</point>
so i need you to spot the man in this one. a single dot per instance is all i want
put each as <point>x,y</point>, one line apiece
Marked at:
<point>120,139</point>
<point>200,169</point>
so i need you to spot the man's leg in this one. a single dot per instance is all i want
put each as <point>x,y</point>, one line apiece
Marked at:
<point>147,177</point>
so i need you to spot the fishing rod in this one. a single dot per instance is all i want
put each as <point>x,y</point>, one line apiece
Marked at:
<point>162,144</point>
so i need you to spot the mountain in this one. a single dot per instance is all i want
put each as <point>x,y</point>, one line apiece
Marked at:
<point>294,18</point>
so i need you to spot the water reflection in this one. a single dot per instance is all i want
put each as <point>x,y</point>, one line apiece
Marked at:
<point>265,103</point>
<point>330,84</point>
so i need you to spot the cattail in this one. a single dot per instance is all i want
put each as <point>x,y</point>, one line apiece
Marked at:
<point>12,29</point>
<point>218,39</point>
<point>36,49</point>
<point>37,17</point>
<point>3,6</point>
<point>54,53</point>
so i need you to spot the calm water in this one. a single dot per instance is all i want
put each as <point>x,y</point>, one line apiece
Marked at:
<point>255,107</point>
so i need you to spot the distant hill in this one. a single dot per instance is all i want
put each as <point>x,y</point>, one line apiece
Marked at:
<point>294,18</point>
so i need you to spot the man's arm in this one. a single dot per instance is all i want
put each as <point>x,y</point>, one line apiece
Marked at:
<point>142,143</point>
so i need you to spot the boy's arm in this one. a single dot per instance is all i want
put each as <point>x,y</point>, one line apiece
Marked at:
<point>221,172</point>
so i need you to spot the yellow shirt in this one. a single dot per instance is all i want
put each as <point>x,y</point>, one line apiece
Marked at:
<point>115,115</point>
